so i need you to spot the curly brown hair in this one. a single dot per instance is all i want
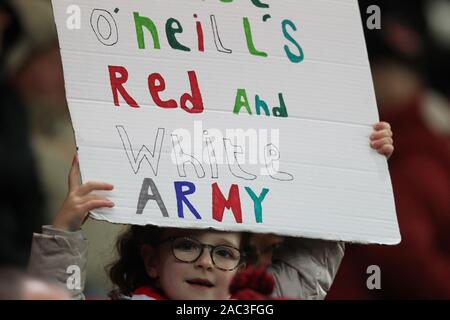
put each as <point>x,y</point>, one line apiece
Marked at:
<point>128,273</point>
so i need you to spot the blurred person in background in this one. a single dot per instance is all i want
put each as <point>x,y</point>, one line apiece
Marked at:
<point>33,73</point>
<point>37,138</point>
<point>412,89</point>
<point>21,195</point>
<point>36,73</point>
<point>16,285</point>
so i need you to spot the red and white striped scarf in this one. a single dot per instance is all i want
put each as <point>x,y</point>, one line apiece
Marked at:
<point>148,293</point>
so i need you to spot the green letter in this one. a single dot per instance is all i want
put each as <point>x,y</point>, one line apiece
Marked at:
<point>248,36</point>
<point>146,22</point>
<point>238,104</point>
<point>258,4</point>
<point>291,56</point>
<point>257,202</point>
<point>170,31</point>
<point>259,103</point>
<point>280,111</point>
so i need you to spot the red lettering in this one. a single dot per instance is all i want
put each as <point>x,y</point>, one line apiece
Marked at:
<point>219,203</point>
<point>200,40</point>
<point>117,85</point>
<point>156,88</point>
<point>118,76</point>
<point>196,97</point>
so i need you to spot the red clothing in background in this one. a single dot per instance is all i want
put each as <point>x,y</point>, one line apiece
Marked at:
<point>420,266</point>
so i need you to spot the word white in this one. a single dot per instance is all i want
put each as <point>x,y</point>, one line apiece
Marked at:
<point>208,153</point>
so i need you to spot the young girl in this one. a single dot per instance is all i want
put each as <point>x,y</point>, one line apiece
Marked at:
<point>178,263</point>
<point>171,263</point>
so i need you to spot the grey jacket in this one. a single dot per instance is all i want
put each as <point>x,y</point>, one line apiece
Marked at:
<point>302,268</point>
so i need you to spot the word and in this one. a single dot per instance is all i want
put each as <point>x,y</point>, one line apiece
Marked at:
<point>242,102</point>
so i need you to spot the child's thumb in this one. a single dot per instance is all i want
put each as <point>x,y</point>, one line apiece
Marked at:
<point>74,173</point>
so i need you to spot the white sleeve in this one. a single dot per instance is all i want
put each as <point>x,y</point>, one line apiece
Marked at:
<point>305,268</point>
<point>53,252</point>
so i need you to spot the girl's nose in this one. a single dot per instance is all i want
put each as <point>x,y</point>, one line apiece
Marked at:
<point>205,260</point>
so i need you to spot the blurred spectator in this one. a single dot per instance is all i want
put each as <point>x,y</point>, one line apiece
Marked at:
<point>37,74</point>
<point>21,196</point>
<point>401,56</point>
<point>16,285</point>
<point>437,13</point>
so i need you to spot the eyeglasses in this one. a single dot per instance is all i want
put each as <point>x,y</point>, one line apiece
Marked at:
<point>188,250</point>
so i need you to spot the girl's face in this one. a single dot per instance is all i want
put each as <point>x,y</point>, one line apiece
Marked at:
<point>199,280</point>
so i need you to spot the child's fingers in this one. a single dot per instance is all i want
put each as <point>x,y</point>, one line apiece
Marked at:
<point>376,144</point>
<point>264,242</point>
<point>96,204</point>
<point>381,134</point>
<point>382,125</point>
<point>73,174</point>
<point>94,185</point>
<point>386,150</point>
<point>91,197</point>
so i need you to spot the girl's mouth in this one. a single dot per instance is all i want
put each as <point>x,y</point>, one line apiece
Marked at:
<point>201,283</point>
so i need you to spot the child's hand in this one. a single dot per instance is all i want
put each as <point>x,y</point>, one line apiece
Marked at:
<point>381,139</point>
<point>265,245</point>
<point>79,201</point>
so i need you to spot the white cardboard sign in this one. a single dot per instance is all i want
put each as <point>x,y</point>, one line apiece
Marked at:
<point>248,115</point>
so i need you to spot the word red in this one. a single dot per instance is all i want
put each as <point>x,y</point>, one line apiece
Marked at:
<point>118,76</point>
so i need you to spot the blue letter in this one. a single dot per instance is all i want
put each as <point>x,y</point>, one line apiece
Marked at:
<point>181,197</point>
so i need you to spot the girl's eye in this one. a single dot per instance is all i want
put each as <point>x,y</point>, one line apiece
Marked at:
<point>186,245</point>
<point>225,253</point>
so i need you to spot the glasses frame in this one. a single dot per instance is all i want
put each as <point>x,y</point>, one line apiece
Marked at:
<point>203,246</point>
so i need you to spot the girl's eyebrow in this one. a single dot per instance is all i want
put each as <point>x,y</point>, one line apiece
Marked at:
<point>217,242</point>
<point>223,241</point>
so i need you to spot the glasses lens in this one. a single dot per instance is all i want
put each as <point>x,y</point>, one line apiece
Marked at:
<point>226,258</point>
<point>186,250</point>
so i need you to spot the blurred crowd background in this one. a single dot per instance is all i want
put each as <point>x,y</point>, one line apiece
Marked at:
<point>410,61</point>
